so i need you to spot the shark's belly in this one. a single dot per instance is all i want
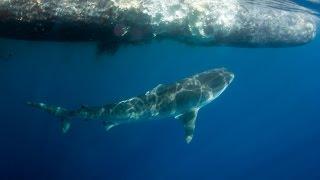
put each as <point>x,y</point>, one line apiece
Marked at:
<point>163,101</point>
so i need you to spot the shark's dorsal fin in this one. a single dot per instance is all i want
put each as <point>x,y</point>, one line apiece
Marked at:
<point>188,119</point>
<point>109,125</point>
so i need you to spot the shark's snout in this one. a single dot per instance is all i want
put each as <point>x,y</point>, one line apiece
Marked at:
<point>226,75</point>
<point>229,76</point>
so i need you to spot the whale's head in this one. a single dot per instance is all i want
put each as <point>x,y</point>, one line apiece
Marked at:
<point>247,23</point>
<point>216,80</point>
<point>279,24</point>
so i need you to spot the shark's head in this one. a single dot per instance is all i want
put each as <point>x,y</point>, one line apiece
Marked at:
<point>217,80</point>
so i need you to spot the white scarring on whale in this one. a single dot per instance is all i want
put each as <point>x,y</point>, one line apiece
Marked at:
<point>243,23</point>
<point>181,100</point>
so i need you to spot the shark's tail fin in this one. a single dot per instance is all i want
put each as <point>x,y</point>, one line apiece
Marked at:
<point>63,114</point>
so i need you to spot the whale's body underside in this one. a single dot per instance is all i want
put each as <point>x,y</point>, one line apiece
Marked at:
<point>113,23</point>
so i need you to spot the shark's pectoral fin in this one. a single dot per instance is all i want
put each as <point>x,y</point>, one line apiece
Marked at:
<point>109,125</point>
<point>65,125</point>
<point>188,119</point>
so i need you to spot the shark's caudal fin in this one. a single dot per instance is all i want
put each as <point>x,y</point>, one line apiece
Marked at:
<point>63,114</point>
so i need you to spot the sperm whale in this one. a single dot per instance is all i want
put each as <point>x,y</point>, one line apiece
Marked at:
<point>113,23</point>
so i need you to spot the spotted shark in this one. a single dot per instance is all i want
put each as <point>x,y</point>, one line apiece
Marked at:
<point>181,100</point>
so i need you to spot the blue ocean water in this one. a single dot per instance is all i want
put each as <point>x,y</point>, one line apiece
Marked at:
<point>266,125</point>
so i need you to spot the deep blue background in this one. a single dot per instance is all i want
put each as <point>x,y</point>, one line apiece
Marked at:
<point>266,125</point>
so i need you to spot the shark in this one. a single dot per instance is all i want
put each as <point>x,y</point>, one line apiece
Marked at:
<point>182,100</point>
<point>115,23</point>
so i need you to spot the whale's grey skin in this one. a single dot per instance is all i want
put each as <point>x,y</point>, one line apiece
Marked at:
<point>181,100</point>
<point>243,23</point>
